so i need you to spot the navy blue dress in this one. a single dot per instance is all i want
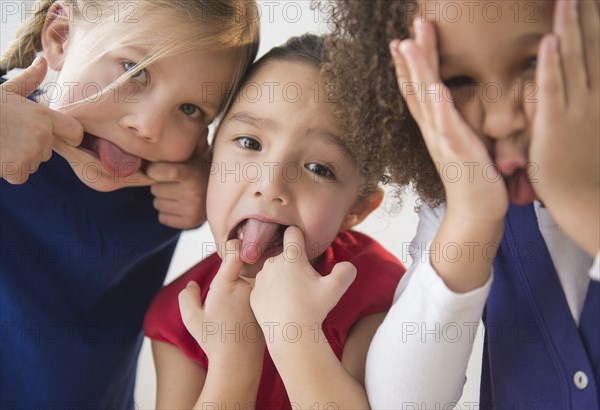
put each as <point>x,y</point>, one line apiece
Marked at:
<point>78,269</point>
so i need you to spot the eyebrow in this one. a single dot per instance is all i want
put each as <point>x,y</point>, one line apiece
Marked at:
<point>247,118</point>
<point>333,139</point>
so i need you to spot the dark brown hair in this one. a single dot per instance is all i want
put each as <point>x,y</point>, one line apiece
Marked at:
<point>375,117</point>
<point>308,49</point>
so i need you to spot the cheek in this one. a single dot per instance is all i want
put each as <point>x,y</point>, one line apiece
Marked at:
<point>321,227</point>
<point>179,146</point>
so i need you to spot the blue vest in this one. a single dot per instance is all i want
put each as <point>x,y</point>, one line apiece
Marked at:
<point>535,356</point>
<point>78,271</point>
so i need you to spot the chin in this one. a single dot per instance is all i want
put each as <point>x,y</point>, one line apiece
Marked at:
<point>92,173</point>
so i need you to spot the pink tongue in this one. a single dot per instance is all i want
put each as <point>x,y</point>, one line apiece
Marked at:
<point>257,237</point>
<point>116,161</point>
<point>519,188</point>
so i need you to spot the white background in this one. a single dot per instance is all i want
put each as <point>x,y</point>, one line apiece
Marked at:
<point>394,229</point>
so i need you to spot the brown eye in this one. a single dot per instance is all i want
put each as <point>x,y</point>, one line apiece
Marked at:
<point>320,170</point>
<point>531,63</point>
<point>459,81</point>
<point>249,143</point>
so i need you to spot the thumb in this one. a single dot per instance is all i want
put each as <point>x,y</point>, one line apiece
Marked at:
<point>339,280</point>
<point>29,79</point>
<point>190,303</point>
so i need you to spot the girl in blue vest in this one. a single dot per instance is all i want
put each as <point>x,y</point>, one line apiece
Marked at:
<point>137,83</point>
<point>505,96</point>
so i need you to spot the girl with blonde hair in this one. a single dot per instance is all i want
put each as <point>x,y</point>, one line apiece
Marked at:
<point>123,131</point>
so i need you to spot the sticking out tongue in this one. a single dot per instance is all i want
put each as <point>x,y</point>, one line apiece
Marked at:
<point>520,191</point>
<point>116,161</point>
<point>257,237</point>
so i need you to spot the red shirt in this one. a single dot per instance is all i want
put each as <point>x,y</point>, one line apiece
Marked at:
<point>378,274</point>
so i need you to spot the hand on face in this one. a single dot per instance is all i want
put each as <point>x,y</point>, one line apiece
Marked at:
<point>227,307</point>
<point>451,142</point>
<point>29,130</point>
<point>289,291</point>
<point>180,188</point>
<point>565,140</point>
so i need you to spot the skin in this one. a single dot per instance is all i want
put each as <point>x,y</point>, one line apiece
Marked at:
<point>300,132</point>
<point>158,114</point>
<point>515,129</point>
<point>297,182</point>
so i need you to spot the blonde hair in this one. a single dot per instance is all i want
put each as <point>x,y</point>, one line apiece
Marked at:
<point>207,24</point>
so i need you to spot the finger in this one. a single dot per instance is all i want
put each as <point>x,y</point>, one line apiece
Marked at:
<point>425,36</point>
<point>424,75</point>
<point>190,303</point>
<point>167,190</point>
<point>568,30</point>
<point>168,206</point>
<point>29,79</point>
<point>408,88</point>
<point>549,76</point>
<point>339,280</point>
<point>293,244</point>
<point>232,264</point>
<point>167,171</point>
<point>66,128</point>
<point>590,26</point>
<point>177,221</point>
<point>437,110</point>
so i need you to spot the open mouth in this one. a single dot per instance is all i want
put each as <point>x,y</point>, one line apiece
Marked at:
<point>520,190</point>
<point>259,239</point>
<point>116,161</point>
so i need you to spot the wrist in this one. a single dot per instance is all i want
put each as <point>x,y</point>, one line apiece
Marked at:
<point>292,336</point>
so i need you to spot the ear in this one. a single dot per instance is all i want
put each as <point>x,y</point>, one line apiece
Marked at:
<point>55,33</point>
<point>363,208</point>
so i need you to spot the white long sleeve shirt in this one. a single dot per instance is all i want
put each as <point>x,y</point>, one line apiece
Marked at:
<point>419,355</point>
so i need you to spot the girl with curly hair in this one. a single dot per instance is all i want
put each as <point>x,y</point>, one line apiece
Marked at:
<point>496,89</point>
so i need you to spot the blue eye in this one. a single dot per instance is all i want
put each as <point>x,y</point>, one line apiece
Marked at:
<point>320,170</point>
<point>459,81</point>
<point>191,110</point>
<point>249,143</point>
<point>140,75</point>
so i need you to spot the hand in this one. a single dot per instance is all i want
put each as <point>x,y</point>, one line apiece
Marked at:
<point>448,137</point>
<point>180,189</point>
<point>565,141</point>
<point>224,326</point>
<point>289,291</point>
<point>28,130</point>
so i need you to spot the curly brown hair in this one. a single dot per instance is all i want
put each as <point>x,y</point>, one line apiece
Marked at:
<point>376,119</point>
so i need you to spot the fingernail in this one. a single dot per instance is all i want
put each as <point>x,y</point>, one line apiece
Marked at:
<point>37,62</point>
<point>190,284</point>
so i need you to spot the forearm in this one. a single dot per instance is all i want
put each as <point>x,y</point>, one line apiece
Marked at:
<point>463,250</point>
<point>419,355</point>
<point>313,375</point>
<point>230,385</point>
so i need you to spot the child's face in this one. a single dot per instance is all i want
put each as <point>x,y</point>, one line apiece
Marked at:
<point>277,162</point>
<point>488,59</point>
<point>161,114</point>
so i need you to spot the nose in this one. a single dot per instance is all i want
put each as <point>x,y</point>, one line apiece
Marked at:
<point>272,185</point>
<point>504,117</point>
<point>145,121</point>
